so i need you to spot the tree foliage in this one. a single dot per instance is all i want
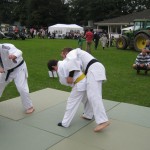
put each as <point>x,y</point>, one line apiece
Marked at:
<point>48,12</point>
<point>98,10</point>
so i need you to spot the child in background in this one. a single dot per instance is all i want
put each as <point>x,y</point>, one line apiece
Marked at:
<point>80,41</point>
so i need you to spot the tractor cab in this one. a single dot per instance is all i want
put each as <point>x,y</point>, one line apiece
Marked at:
<point>141,24</point>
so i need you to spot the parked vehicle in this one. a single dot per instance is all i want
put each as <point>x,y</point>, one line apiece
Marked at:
<point>15,36</point>
<point>3,36</point>
<point>137,37</point>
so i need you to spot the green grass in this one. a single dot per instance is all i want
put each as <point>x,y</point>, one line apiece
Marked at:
<point>122,85</point>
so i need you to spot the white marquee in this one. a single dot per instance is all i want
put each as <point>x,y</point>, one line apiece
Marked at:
<point>64,28</point>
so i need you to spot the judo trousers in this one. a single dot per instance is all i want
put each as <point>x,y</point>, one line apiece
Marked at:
<point>19,76</point>
<point>73,102</point>
<point>94,95</point>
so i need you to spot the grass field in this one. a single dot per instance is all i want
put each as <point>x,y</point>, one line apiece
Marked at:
<point>122,85</point>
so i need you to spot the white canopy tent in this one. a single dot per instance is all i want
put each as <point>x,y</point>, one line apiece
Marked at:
<point>64,28</point>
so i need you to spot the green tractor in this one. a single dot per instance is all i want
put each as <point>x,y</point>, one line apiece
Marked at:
<point>137,38</point>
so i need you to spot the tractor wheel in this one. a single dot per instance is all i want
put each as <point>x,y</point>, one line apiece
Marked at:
<point>140,41</point>
<point>121,43</point>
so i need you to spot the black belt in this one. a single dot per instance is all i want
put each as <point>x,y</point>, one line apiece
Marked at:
<point>11,70</point>
<point>89,64</point>
<point>1,63</point>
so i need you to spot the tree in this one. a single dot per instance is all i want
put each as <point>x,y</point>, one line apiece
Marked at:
<point>6,13</point>
<point>19,12</point>
<point>134,6</point>
<point>84,10</point>
<point>33,12</point>
<point>47,12</point>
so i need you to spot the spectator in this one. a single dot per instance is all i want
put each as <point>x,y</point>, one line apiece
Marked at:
<point>89,38</point>
<point>113,41</point>
<point>16,30</point>
<point>80,41</point>
<point>32,32</point>
<point>104,41</point>
<point>142,62</point>
<point>43,33</point>
<point>96,39</point>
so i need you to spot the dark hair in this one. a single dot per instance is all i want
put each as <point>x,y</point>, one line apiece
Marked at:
<point>67,49</point>
<point>52,63</point>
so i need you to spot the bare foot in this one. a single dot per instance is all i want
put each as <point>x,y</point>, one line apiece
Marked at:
<point>102,126</point>
<point>30,110</point>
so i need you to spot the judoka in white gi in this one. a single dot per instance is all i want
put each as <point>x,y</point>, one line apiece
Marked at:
<point>78,92</point>
<point>95,75</point>
<point>13,68</point>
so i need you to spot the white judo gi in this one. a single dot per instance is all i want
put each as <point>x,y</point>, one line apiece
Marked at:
<point>19,74</point>
<point>95,76</point>
<point>78,92</point>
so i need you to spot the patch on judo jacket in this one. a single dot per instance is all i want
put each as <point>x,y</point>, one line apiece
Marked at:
<point>5,47</point>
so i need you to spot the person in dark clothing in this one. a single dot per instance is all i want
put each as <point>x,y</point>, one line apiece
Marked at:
<point>96,40</point>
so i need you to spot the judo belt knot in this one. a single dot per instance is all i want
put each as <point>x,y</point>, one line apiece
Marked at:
<point>11,70</point>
